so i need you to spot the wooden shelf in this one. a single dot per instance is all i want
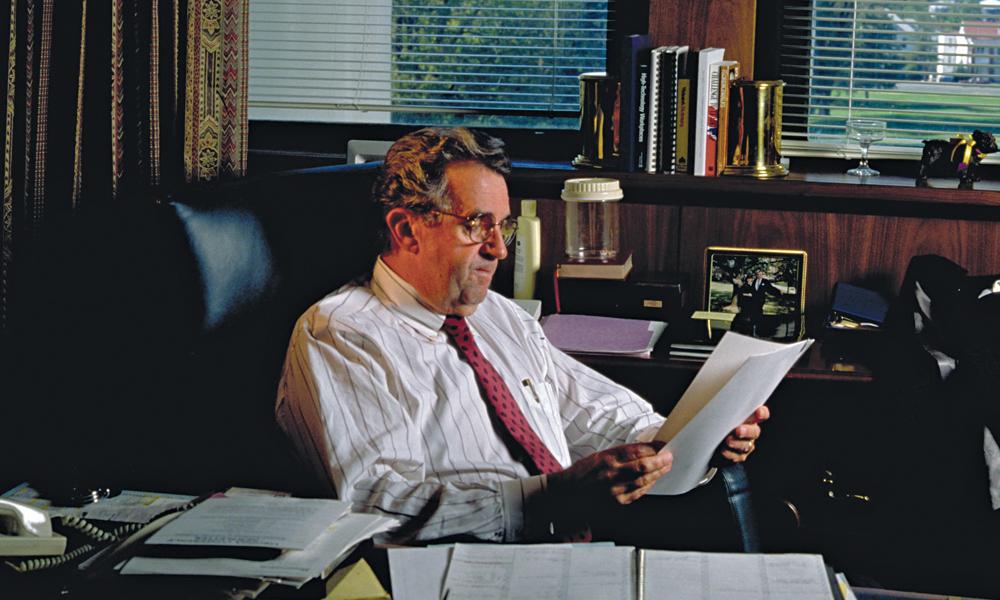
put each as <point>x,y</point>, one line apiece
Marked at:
<point>804,192</point>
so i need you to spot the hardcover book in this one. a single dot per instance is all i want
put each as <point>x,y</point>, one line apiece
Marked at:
<point>701,130</point>
<point>612,268</point>
<point>729,72</point>
<point>642,111</point>
<point>712,128</point>
<point>633,46</point>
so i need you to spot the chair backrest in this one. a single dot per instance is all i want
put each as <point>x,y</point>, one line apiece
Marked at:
<point>157,334</point>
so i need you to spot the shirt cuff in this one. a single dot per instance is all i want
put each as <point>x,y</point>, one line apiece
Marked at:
<point>518,495</point>
<point>646,435</point>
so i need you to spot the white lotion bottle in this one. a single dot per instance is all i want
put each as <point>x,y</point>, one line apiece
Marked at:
<point>527,251</point>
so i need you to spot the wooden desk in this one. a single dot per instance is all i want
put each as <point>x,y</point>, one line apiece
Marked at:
<point>662,379</point>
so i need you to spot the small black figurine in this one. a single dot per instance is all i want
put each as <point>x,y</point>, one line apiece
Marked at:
<point>958,156</point>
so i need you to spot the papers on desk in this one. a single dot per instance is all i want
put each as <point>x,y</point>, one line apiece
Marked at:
<point>563,571</point>
<point>314,535</point>
<point>418,573</point>
<point>252,521</point>
<point>587,334</point>
<point>132,506</point>
<point>739,375</point>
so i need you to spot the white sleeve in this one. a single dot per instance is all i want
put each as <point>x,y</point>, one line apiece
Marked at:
<point>336,404</point>
<point>597,412</point>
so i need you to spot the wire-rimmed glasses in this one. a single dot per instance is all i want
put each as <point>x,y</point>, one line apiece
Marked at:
<point>479,226</point>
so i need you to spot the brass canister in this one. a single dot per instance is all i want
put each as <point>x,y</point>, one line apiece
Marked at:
<point>754,147</point>
<point>599,134</point>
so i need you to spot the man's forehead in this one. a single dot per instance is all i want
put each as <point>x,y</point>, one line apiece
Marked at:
<point>475,188</point>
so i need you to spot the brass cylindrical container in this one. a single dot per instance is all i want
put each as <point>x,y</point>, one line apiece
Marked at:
<point>754,147</point>
<point>599,132</point>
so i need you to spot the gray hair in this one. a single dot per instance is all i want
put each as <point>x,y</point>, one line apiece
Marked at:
<point>413,175</point>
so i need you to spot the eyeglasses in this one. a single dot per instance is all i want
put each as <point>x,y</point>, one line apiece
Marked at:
<point>480,226</point>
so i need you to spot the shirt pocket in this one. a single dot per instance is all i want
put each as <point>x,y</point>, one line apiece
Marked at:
<point>538,400</point>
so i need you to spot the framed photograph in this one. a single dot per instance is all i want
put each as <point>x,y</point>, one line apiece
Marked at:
<point>764,290</point>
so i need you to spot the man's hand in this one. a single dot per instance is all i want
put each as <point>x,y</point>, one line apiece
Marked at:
<point>612,477</point>
<point>619,475</point>
<point>743,440</point>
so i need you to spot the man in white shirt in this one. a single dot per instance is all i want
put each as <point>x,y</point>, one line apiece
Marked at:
<point>483,428</point>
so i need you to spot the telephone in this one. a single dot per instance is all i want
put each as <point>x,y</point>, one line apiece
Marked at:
<point>27,531</point>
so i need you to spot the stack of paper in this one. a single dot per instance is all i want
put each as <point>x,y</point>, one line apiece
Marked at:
<point>309,538</point>
<point>586,334</point>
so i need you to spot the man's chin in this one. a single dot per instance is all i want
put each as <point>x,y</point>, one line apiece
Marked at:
<point>469,301</point>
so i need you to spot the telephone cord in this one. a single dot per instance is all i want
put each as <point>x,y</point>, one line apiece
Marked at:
<point>47,562</point>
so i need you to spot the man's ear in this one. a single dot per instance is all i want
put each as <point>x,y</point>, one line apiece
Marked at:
<point>400,224</point>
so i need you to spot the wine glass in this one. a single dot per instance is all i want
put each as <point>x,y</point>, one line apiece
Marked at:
<point>865,132</point>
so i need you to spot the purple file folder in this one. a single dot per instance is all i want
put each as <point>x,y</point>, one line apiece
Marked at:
<point>602,335</point>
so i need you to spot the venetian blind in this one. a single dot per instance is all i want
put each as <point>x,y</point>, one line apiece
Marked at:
<point>930,69</point>
<point>376,60</point>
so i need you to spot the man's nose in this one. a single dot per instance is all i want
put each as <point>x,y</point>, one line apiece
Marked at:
<point>494,245</point>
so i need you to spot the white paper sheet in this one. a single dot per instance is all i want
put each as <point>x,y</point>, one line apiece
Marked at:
<point>528,572</point>
<point>252,521</point>
<point>293,567</point>
<point>724,576</point>
<point>739,375</point>
<point>418,573</point>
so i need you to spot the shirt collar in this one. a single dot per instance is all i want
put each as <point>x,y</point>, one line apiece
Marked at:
<point>392,290</point>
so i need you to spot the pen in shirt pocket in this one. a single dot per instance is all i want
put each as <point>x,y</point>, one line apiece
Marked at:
<point>534,392</point>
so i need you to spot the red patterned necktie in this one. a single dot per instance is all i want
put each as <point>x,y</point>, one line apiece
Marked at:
<point>503,405</point>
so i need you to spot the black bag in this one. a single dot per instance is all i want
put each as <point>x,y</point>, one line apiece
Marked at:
<point>938,372</point>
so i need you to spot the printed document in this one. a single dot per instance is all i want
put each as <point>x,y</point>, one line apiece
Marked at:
<point>528,572</point>
<point>418,573</point>
<point>739,375</point>
<point>725,576</point>
<point>293,567</point>
<point>253,521</point>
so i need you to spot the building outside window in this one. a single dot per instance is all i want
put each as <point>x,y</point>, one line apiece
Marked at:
<point>929,68</point>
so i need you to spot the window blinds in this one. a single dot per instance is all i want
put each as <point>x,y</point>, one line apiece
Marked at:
<point>930,69</point>
<point>367,60</point>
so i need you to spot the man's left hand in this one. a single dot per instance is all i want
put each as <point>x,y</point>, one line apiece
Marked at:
<point>743,440</point>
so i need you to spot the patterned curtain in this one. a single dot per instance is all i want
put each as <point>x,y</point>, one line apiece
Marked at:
<point>111,101</point>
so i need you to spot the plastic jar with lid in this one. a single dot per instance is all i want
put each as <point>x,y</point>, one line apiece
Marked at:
<point>592,221</point>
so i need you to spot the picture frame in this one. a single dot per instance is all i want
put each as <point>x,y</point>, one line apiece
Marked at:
<point>761,291</point>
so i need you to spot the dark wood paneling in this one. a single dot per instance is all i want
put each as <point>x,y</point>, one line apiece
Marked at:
<point>649,232</point>
<point>860,233</point>
<point>727,24</point>
<point>873,250</point>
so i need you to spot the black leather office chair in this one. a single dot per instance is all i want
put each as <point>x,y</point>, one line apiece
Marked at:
<point>155,335</point>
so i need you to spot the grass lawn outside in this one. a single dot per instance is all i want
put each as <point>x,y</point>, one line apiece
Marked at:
<point>962,112</point>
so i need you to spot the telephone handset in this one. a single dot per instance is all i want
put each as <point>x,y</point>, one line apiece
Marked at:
<point>27,531</point>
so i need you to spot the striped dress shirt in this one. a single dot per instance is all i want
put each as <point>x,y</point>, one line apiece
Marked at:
<point>388,414</point>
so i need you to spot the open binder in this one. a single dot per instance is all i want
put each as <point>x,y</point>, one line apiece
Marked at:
<point>571,571</point>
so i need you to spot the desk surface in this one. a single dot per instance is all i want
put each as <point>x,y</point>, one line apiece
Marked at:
<point>821,363</point>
